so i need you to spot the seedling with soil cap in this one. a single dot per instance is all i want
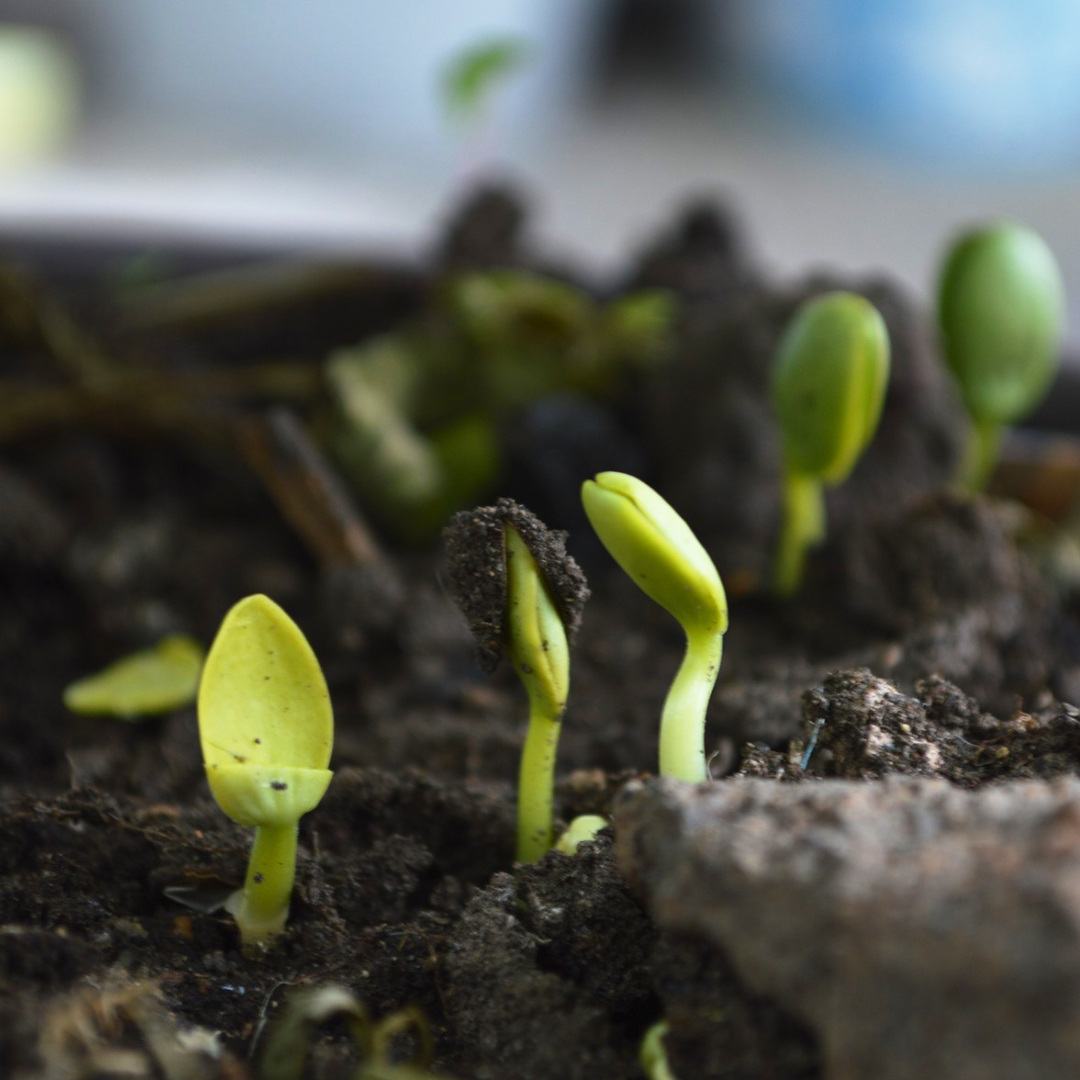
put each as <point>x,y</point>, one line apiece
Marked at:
<point>653,544</point>
<point>267,730</point>
<point>1001,305</point>
<point>522,593</point>
<point>828,387</point>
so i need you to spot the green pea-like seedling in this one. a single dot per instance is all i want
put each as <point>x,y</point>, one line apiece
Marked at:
<point>828,388</point>
<point>267,729</point>
<point>522,595</point>
<point>1001,305</point>
<point>653,544</point>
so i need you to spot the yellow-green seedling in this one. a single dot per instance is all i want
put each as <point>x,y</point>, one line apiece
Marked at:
<point>146,683</point>
<point>828,388</point>
<point>653,1054</point>
<point>1001,309</point>
<point>267,730</point>
<point>653,544</point>
<point>523,595</point>
<point>583,828</point>
<point>288,1046</point>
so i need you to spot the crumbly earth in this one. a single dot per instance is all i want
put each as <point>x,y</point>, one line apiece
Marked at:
<point>925,643</point>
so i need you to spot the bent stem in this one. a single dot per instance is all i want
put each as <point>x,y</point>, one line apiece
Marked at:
<point>980,455</point>
<point>536,830</point>
<point>803,527</point>
<point>682,723</point>
<point>261,907</point>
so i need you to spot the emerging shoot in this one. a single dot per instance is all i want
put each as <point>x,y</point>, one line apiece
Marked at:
<point>267,730</point>
<point>649,540</point>
<point>828,387</point>
<point>581,829</point>
<point>522,593</point>
<point>1001,305</point>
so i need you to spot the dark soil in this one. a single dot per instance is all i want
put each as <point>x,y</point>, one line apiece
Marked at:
<point>924,642</point>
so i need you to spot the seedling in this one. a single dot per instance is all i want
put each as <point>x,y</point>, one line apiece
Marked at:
<point>828,387</point>
<point>152,681</point>
<point>522,594</point>
<point>653,1054</point>
<point>1001,306</point>
<point>582,828</point>
<point>653,544</point>
<point>267,730</point>
<point>286,1053</point>
<point>472,76</point>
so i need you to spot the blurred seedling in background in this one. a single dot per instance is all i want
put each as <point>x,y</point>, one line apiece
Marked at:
<point>1001,309</point>
<point>267,730</point>
<point>417,411</point>
<point>146,683</point>
<point>470,86</point>
<point>522,595</point>
<point>828,388</point>
<point>291,1038</point>
<point>660,552</point>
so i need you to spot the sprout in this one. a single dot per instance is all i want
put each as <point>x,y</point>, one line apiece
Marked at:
<point>522,593</point>
<point>581,829</point>
<point>267,730</point>
<point>658,550</point>
<point>653,1054</point>
<point>1001,307</point>
<point>828,387</point>
<point>473,74</point>
<point>152,681</point>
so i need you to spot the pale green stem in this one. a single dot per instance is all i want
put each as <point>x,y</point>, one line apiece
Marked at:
<point>682,724</point>
<point>803,526</point>
<point>980,455</point>
<point>262,906</point>
<point>536,829</point>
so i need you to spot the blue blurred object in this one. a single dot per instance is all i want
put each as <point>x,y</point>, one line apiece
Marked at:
<point>986,82</point>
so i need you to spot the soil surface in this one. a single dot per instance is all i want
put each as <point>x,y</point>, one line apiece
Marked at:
<point>926,642</point>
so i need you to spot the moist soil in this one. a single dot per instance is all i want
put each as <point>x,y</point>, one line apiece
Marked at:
<point>928,640</point>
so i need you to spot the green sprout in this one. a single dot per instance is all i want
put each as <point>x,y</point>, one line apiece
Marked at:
<point>649,540</point>
<point>267,730</point>
<point>828,388</point>
<point>287,1049</point>
<point>1001,305</point>
<point>653,1054</point>
<point>581,829</point>
<point>522,594</point>
<point>471,77</point>
<point>156,680</point>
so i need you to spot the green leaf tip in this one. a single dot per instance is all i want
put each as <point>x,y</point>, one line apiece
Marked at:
<point>657,549</point>
<point>156,680</point>
<point>829,381</point>
<point>1001,309</point>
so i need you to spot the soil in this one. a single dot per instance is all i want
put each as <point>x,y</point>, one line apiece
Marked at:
<point>926,642</point>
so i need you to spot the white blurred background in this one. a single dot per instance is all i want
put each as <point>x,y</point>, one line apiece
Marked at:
<point>853,133</point>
